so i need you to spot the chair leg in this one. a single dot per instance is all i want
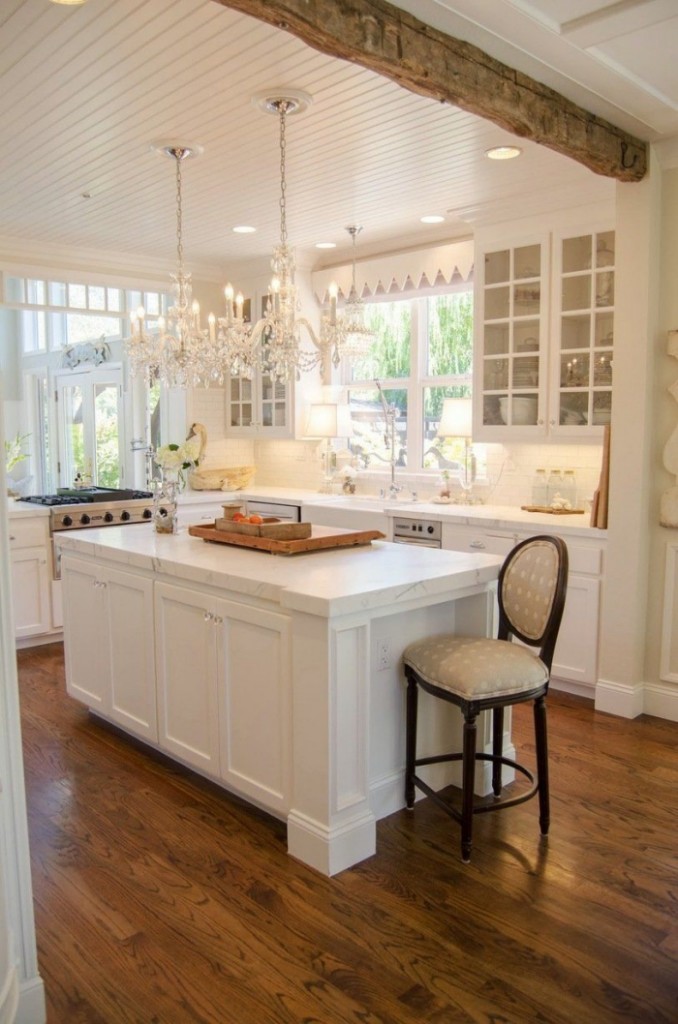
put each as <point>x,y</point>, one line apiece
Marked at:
<point>410,741</point>
<point>468,779</point>
<point>497,748</point>
<point>541,744</point>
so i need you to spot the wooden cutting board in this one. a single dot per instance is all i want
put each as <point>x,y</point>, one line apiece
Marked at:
<point>553,511</point>
<point>323,538</point>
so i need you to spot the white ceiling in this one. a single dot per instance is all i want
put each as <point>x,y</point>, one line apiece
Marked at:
<point>85,90</point>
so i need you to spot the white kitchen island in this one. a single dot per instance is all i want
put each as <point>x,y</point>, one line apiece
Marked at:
<point>277,677</point>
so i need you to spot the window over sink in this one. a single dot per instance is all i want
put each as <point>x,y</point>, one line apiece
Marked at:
<point>423,354</point>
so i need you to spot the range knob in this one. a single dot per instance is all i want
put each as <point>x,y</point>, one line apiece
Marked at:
<point>108,517</point>
<point>67,521</point>
<point>125,517</point>
<point>429,529</point>
<point>84,519</point>
<point>147,513</point>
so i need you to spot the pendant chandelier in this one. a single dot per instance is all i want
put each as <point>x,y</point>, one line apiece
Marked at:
<point>348,335</point>
<point>180,353</point>
<point>278,336</point>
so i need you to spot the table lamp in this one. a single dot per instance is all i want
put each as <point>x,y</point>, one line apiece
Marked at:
<point>456,420</point>
<point>323,422</point>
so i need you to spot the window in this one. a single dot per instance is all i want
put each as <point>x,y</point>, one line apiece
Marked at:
<point>55,313</point>
<point>422,355</point>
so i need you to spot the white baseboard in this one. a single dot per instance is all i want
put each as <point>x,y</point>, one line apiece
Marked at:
<point>623,699</point>
<point>331,850</point>
<point>587,690</point>
<point>661,700</point>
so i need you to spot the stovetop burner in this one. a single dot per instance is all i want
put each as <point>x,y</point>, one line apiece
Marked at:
<point>87,496</point>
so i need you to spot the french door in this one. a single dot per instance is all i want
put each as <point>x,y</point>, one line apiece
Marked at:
<point>90,424</point>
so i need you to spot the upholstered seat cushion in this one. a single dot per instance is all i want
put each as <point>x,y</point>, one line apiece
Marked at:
<point>473,667</point>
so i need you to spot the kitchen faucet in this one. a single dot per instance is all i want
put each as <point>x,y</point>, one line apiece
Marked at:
<point>390,412</point>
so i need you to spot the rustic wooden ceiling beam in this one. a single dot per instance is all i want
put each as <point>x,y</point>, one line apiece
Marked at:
<point>381,37</point>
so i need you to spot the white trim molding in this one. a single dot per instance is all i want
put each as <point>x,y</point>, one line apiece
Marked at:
<point>623,699</point>
<point>668,665</point>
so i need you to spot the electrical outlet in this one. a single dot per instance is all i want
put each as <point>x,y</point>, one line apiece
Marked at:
<point>383,654</point>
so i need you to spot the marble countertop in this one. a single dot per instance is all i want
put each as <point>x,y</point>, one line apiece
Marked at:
<point>23,509</point>
<point>324,583</point>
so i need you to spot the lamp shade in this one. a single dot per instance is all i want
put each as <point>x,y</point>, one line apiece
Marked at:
<point>456,419</point>
<point>322,420</point>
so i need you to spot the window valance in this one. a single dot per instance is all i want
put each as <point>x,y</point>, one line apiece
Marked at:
<point>398,272</point>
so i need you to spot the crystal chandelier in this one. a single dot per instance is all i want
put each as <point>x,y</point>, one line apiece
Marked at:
<point>278,335</point>
<point>181,354</point>
<point>347,336</point>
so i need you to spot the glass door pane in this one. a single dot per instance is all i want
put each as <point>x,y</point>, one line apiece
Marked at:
<point>106,435</point>
<point>73,432</point>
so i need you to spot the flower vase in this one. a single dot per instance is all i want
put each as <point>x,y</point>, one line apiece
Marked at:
<point>165,507</point>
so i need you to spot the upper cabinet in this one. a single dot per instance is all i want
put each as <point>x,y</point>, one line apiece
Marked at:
<point>583,330</point>
<point>511,332</point>
<point>260,407</point>
<point>544,336</point>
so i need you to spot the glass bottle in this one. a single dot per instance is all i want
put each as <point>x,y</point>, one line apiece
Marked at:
<point>539,488</point>
<point>569,491</point>
<point>554,487</point>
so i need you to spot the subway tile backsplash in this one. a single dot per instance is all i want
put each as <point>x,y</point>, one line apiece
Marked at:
<point>510,467</point>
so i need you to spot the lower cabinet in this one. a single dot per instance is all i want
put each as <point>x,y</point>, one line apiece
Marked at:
<point>223,677</point>
<point>109,646</point>
<point>576,655</point>
<point>31,566</point>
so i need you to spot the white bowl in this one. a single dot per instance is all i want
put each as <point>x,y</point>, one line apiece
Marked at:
<point>524,410</point>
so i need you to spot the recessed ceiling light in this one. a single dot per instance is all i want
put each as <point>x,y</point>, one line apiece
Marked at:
<point>326,245</point>
<point>69,3</point>
<point>503,152</point>
<point>244,229</point>
<point>432,218</point>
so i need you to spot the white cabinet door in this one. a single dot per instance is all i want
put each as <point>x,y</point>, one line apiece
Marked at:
<point>128,601</point>
<point>113,676</point>
<point>255,703</point>
<point>85,634</point>
<point>186,662</point>
<point>31,591</point>
<point>576,655</point>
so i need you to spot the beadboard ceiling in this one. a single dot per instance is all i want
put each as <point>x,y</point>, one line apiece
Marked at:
<point>85,90</point>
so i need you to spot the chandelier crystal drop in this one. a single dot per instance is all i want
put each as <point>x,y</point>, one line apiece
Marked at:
<point>180,353</point>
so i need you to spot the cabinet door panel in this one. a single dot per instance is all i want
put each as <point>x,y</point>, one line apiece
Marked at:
<point>186,673</point>
<point>30,591</point>
<point>254,677</point>
<point>129,601</point>
<point>576,655</point>
<point>85,634</point>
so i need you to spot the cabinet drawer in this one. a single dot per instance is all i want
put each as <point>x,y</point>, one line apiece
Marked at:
<point>27,533</point>
<point>467,538</point>
<point>585,560</point>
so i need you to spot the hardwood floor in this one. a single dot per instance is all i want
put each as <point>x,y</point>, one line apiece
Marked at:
<point>159,899</point>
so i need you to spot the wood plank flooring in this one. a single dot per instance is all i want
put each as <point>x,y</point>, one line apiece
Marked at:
<point>159,899</point>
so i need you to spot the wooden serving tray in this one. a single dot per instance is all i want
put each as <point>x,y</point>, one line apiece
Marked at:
<point>553,511</point>
<point>271,527</point>
<point>322,538</point>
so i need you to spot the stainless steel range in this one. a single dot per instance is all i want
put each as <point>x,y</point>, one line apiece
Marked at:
<point>92,506</point>
<point>95,506</point>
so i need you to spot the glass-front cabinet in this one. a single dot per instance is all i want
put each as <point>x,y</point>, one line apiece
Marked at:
<point>531,381</point>
<point>511,331</point>
<point>581,382</point>
<point>259,407</point>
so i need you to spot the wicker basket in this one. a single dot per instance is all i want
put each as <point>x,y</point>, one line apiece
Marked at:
<point>233,478</point>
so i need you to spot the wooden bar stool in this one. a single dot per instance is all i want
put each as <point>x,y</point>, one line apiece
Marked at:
<point>478,674</point>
